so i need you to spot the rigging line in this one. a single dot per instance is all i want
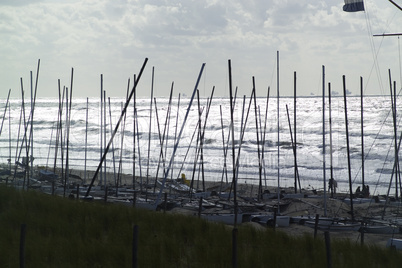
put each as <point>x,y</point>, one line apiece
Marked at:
<point>400,68</point>
<point>375,139</point>
<point>375,54</point>
<point>272,73</point>
<point>386,158</point>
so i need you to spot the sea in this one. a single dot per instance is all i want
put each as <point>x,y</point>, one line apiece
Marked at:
<point>196,141</point>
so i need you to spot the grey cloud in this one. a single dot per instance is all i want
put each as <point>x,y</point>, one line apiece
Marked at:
<point>18,2</point>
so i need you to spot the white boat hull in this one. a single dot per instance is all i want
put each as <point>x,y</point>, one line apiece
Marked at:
<point>223,218</point>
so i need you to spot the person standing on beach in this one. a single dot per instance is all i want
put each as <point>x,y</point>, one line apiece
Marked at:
<point>332,186</point>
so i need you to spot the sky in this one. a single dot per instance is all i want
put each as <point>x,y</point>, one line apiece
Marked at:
<point>112,38</point>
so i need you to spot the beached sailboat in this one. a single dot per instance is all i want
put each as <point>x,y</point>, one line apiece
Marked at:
<point>334,226</point>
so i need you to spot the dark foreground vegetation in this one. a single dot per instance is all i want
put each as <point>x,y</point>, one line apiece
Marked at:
<point>69,233</point>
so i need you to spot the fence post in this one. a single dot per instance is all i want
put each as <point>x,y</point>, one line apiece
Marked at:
<point>135,247</point>
<point>234,248</point>
<point>200,207</point>
<point>328,248</point>
<point>317,218</point>
<point>165,205</point>
<point>22,245</point>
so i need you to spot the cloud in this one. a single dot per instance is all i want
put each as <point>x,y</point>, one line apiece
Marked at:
<point>113,38</point>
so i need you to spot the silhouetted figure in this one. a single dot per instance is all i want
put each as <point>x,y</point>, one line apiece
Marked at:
<point>358,192</point>
<point>366,191</point>
<point>332,186</point>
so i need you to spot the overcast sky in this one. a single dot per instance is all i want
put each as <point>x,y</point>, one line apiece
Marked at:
<point>113,37</point>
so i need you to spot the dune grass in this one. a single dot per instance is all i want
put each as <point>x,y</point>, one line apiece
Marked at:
<point>68,233</point>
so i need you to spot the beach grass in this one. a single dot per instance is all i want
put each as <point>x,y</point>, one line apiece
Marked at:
<point>62,232</point>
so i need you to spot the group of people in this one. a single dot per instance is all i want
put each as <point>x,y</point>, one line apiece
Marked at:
<point>363,193</point>
<point>359,193</point>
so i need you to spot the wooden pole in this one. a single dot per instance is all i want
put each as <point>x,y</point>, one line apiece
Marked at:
<point>328,248</point>
<point>135,247</point>
<point>22,245</point>
<point>234,247</point>
<point>200,207</point>
<point>165,204</point>
<point>317,218</point>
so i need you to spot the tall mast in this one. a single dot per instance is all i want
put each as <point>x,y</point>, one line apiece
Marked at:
<point>31,134</point>
<point>101,123</point>
<point>86,143</point>
<point>104,138</point>
<point>323,140</point>
<point>150,124</point>
<point>362,137</point>
<point>348,150</point>
<point>297,179</point>
<point>233,145</point>
<point>332,185</point>
<point>277,118</point>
